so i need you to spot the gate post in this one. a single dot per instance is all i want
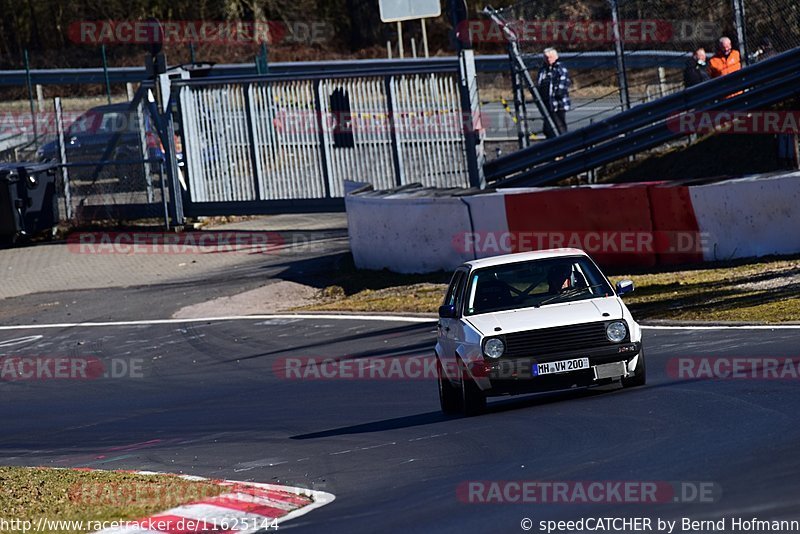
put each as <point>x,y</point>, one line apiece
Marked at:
<point>471,118</point>
<point>251,137</point>
<point>397,160</point>
<point>323,148</point>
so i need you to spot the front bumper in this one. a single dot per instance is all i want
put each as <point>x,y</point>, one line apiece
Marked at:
<point>515,375</point>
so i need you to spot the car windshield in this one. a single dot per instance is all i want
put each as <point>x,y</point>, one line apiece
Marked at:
<point>86,123</point>
<point>534,283</point>
<point>108,122</point>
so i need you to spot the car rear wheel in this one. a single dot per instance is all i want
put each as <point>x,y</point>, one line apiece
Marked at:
<point>473,401</point>
<point>449,395</point>
<point>639,377</point>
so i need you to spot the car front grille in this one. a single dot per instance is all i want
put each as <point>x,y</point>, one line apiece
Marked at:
<point>534,343</point>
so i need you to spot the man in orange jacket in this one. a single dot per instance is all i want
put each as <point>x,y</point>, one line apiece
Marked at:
<point>725,61</point>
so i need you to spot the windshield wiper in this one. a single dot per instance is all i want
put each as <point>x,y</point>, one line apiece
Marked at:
<point>574,292</point>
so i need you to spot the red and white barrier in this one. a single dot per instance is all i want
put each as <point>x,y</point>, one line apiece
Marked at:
<point>627,225</point>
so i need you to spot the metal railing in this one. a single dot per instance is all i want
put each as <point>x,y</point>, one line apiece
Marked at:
<point>645,126</point>
<point>362,67</point>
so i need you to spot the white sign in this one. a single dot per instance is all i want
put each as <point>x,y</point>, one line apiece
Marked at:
<point>397,10</point>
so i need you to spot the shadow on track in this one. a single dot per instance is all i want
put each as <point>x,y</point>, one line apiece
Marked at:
<point>505,404</point>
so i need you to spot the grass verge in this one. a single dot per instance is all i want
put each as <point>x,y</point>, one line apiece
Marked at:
<point>90,497</point>
<point>758,291</point>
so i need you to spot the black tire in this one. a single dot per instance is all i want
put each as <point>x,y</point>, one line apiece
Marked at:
<point>473,401</point>
<point>639,377</point>
<point>449,395</point>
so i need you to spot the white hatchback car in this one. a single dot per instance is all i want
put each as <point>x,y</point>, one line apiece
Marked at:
<point>531,322</point>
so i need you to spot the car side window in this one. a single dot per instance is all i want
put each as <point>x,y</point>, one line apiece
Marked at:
<point>453,297</point>
<point>459,293</point>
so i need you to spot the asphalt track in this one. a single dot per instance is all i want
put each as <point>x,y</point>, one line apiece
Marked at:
<point>205,399</point>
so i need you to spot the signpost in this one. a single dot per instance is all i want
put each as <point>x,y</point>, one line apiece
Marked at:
<point>401,10</point>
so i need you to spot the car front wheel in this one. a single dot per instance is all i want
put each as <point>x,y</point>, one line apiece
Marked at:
<point>639,376</point>
<point>449,395</point>
<point>473,401</point>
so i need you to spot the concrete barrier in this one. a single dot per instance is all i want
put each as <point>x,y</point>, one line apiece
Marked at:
<point>628,225</point>
<point>749,217</point>
<point>406,234</point>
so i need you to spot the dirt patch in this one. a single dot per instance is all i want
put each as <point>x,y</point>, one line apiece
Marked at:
<point>754,291</point>
<point>272,298</point>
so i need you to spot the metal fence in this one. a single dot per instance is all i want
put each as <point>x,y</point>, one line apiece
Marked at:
<point>279,139</point>
<point>581,29</point>
<point>111,159</point>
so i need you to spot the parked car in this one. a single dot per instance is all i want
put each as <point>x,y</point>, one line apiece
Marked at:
<point>89,135</point>
<point>532,322</point>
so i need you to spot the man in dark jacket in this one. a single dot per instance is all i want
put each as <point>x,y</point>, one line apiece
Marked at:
<point>553,83</point>
<point>696,70</point>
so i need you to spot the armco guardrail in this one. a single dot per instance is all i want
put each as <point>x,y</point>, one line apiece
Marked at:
<point>645,126</point>
<point>489,63</point>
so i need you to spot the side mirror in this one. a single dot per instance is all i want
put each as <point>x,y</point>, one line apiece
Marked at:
<point>448,311</point>
<point>624,286</point>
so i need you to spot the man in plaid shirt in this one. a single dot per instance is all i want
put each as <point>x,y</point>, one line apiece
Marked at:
<point>553,83</point>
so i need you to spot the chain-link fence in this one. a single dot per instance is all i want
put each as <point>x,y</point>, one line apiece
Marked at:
<point>111,156</point>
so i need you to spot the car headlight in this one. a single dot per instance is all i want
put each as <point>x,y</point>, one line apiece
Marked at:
<point>616,331</point>
<point>494,347</point>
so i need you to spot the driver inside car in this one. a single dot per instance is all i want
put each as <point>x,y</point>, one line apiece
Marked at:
<point>558,279</point>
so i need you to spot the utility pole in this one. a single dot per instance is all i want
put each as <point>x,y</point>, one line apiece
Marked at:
<point>156,67</point>
<point>739,20</point>
<point>519,68</point>
<point>619,51</point>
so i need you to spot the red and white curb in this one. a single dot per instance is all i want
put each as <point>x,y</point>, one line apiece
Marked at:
<point>247,508</point>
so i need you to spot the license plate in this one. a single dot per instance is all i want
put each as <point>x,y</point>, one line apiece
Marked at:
<point>561,366</point>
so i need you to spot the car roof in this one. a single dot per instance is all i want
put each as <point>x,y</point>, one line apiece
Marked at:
<point>525,256</point>
<point>105,108</point>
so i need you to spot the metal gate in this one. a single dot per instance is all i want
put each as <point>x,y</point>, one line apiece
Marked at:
<point>278,139</point>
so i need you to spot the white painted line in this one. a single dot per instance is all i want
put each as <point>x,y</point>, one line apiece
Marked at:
<point>346,317</point>
<point>724,327</point>
<point>149,322</point>
<point>20,340</point>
